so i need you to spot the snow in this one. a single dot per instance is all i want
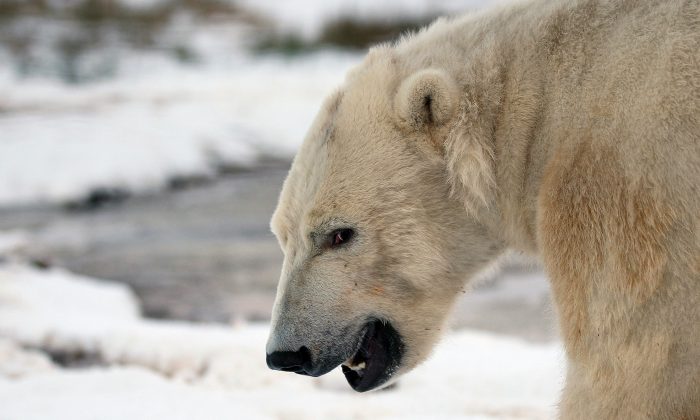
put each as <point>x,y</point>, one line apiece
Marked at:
<point>161,369</point>
<point>159,119</point>
<point>18,362</point>
<point>138,132</point>
<point>13,243</point>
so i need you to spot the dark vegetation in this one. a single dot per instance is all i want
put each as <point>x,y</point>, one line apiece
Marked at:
<point>103,197</point>
<point>98,198</point>
<point>83,40</point>
<point>86,40</point>
<point>75,359</point>
<point>345,33</point>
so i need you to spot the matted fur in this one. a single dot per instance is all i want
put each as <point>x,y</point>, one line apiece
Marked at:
<point>569,130</point>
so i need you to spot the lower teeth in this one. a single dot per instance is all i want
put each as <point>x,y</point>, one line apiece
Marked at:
<point>357,367</point>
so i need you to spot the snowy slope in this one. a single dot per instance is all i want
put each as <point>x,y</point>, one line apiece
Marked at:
<point>156,369</point>
<point>159,119</point>
<point>59,143</point>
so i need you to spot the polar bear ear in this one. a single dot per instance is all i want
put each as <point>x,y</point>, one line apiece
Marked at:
<point>426,98</point>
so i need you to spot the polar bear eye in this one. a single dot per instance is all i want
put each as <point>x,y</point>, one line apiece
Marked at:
<point>340,236</point>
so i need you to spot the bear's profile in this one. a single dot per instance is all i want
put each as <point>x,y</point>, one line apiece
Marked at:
<point>569,130</point>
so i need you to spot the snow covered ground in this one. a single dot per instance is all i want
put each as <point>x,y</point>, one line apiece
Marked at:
<point>119,365</point>
<point>59,142</point>
<point>157,119</point>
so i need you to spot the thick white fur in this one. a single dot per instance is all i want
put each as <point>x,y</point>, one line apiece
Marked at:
<point>565,129</point>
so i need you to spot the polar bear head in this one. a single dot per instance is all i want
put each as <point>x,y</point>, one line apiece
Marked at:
<point>377,240</point>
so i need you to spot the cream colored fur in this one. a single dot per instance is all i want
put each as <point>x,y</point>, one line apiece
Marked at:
<point>565,129</point>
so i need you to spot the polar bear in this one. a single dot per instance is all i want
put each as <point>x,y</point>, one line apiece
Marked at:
<point>569,130</point>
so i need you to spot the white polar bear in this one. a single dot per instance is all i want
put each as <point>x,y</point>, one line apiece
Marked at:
<point>564,129</point>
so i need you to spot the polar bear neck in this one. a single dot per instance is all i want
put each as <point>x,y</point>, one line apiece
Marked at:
<point>529,73</point>
<point>498,78</point>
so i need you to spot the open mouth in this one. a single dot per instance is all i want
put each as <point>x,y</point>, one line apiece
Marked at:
<point>377,358</point>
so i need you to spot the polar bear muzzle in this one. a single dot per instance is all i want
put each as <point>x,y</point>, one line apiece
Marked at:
<point>372,363</point>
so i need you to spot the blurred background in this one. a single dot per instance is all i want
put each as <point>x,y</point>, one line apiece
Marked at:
<point>143,144</point>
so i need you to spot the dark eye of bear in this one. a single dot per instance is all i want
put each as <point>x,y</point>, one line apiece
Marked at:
<point>340,236</point>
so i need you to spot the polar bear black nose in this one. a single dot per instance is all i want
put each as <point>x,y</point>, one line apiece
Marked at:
<point>291,361</point>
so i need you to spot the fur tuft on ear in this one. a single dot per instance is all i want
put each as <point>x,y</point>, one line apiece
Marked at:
<point>470,159</point>
<point>426,98</point>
